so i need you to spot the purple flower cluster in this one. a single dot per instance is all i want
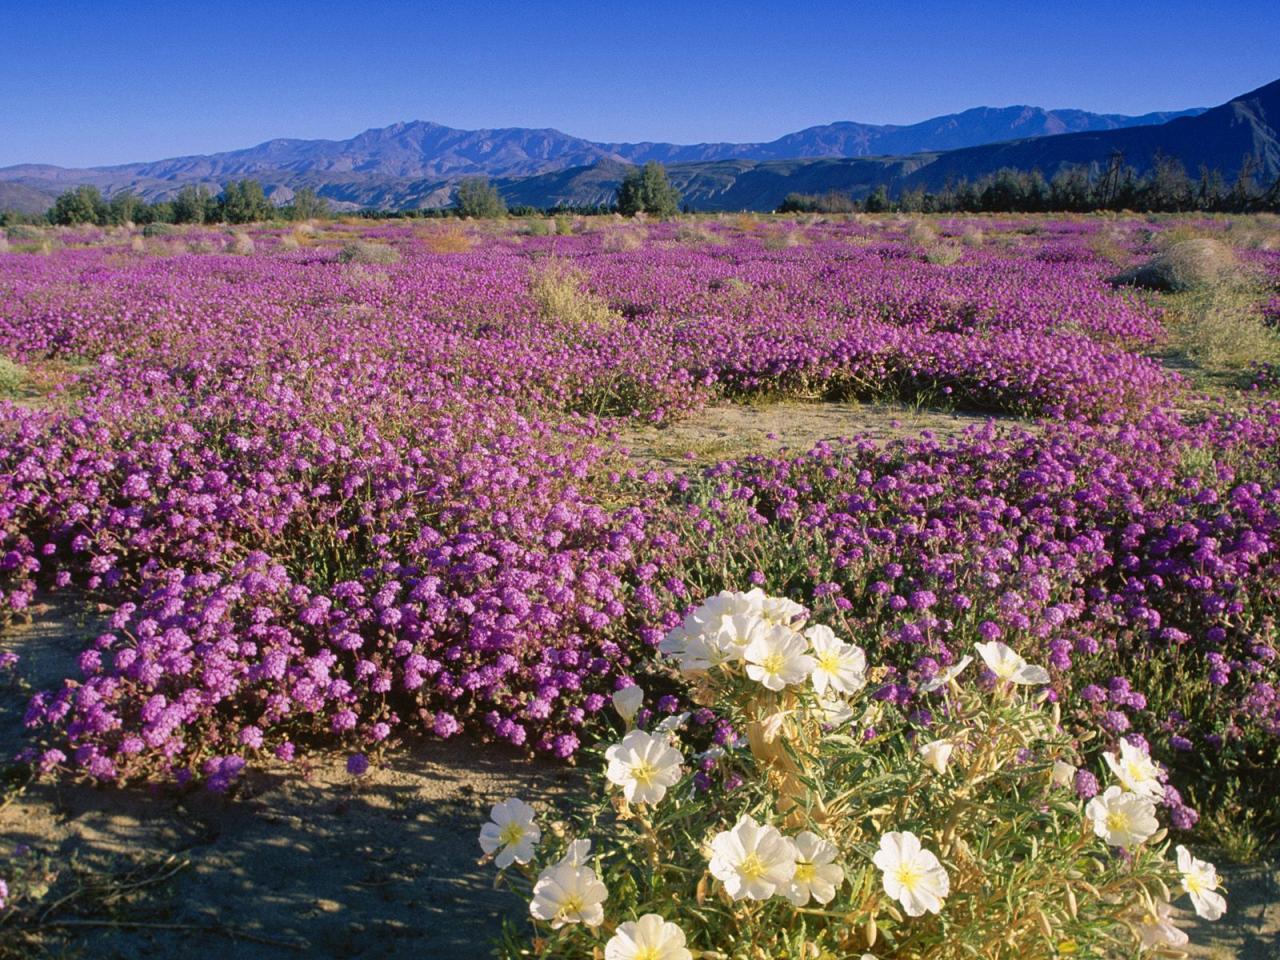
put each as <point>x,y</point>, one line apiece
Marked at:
<point>343,503</point>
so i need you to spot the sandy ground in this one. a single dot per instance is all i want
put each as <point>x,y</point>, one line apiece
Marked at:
<point>308,858</point>
<point>730,430</point>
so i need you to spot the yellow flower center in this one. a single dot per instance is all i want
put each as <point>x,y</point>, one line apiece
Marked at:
<point>773,663</point>
<point>642,772</point>
<point>909,876</point>
<point>571,905</point>
<point>647,953</point>
<point>1194,883</point>
<point>752,867</point>
<point>1135,772</point>
<point>805,872</point>
<point>1117,821</point>
<point>511,833</point>
<point>829,662</point>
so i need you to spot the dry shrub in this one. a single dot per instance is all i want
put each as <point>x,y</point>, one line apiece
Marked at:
<point>364,251</point>
<point>305,229</point>
<point>781,239</point>
<point>1109,245</point>
<point>447,241</point>
<point>1184,265</point>
<point>746,222</point>
<point>564,301</point>
<point>1222,328</point>
<point>24,233</point>
<point>921,233</point>
<point>289,243</point>
<point>199,245</point>
<point>621,239</point>
<point>695,233</point>
<point>943,254</point>
<point>138,245</point>
<point>1258,232</point>
<point>241,244</point>
<point>4,243</point>
<point>972,237</point>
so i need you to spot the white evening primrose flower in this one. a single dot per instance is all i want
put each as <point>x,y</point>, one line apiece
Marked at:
<point>1200,880</point>
<point>649,938</point>
<point>714,612</point>
<point>777,658</point>
<point>510,835</point>
<point>670,726</point>
<point>751,860</point>
<point>912,875</point>
<point>1008,666</point>
<point>1136,771</point>
<point>835,713</point>
<point>817,874</point>
<point>936,753</point>
<point>566,893</point>
<point>1156,929</point>
<point>627,702</point>
<point>839,667</point>
<point>780,611</point>
<point>943,677</point>
<point>738,632</point>
<point>644,765</point>
<point>576,855</point>
<point>1064,774</point>
<point>1122,819</point>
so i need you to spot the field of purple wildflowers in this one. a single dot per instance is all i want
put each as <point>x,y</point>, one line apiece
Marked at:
<point>324,503</point>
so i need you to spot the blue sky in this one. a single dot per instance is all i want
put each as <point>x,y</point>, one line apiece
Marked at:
<point>110,81</point>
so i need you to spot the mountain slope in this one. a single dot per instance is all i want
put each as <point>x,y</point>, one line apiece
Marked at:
<point>383,162</point>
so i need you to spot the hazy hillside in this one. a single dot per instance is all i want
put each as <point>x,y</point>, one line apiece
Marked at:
<point>405,164</point>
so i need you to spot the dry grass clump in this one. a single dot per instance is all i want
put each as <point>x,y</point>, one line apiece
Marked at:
<point>365,251</point>
<point>1222,329</point>
<point>1109,245</point>
<point>1184,265</point>
<point>1258,232</point>
<point>921,233</point>
<point>12,376</point>
<point>289,243</point>
<point>621,239</point>
<point>4,243</point>
<point>782,239</point>
<point>452,240</point>
<point>943,253</point>
<point>241,244</point>
<point>972,237</point>
<point>137,244</point>
<point>696,233</point>
<point>563,300</point>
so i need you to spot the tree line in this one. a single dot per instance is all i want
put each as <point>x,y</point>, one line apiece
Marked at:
<point>1116,185</point>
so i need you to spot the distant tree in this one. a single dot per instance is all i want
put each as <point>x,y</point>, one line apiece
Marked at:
<point>1244,191</point>
<point>477,197</point>
<point>306,205</point>
<point>1070,190</point>
<point>192,205</point>
<point>244,202</point>
<point>647,190</point>
<point>83,204</point>
<point>126,207</point>
<point>877,200</point>
<point>1168,187</point>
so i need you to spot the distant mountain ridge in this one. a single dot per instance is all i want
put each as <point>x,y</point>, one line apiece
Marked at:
<point>410,161</point>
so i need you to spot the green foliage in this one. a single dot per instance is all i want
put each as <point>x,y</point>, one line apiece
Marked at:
<point>477,197</point>
<point>192,205</point>
<point>306,205</point>
<point>364,251</point>
<point>647,190</point>
<point>83,204</point>
<point>833,201</point>
<point>244,202</point>
<point>126,207</point>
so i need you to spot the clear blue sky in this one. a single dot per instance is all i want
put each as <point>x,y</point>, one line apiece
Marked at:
<point>110,81</point>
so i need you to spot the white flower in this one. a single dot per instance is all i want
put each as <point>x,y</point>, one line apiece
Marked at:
<point>780,611</point>
<point>644,766</point>
<point>912,875</point>
<point>510,833</point>
<point>943,677</point>
<point>1008,666</point>
<point>670,726</point>
<point>1200,879</point>
<point>817,874</point>
<point>1064,774</point>
<point>627,702</point>
<point>1135,770</point>
<point>1122,819</point>
<point>649,938</point>
<point>777,658</point>
<point>714,612</point>
<point>567,893</point>
<point>936,753</point>
<point>839,667</point>
<point>576,855</point>
<point>752,861</point>
<point>835,713</point>
<point>1155,929</point>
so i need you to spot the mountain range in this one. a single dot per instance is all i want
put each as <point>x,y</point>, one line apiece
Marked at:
<point>417,164</point>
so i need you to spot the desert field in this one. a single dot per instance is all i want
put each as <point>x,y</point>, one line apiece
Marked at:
<point>319,539</point>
